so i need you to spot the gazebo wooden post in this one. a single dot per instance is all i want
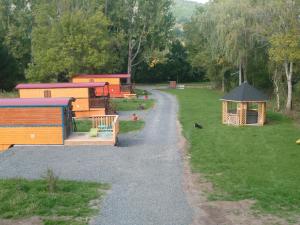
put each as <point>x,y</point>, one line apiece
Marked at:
<point>242,113</point>
<point>265,112</point>
<point>261,113</point>
<point>224,112</point>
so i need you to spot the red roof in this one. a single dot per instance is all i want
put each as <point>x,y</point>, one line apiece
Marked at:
<point>60,85</point>
<point>34,101</point>
<point>103,76</point>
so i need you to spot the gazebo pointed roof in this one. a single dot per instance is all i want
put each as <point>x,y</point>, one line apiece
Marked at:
<point>245,93</point>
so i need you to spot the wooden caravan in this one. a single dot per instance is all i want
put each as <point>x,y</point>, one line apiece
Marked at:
<point>243,106</point>
<point>91,99</point>
<point>35,121</point>
<point>119,84</point>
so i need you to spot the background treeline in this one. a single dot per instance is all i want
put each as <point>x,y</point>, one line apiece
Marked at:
<point>224,41</point>
<point>248,40</point>
<point>51,40</point>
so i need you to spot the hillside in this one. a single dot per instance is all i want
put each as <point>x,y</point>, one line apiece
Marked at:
<point>184,9</point>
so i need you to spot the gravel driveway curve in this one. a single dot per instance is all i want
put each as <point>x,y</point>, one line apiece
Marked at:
<point>145,172</point>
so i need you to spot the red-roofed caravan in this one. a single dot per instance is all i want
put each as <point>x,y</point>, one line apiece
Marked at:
<point>35,121</point>
<point>119,84</point>
<point>91,99</point>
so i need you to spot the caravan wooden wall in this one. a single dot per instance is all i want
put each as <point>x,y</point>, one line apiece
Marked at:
<point>31,125</point>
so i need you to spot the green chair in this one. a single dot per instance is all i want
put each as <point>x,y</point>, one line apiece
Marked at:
<point>93,132</point>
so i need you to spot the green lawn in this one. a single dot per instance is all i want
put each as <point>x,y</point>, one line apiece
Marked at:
<point>125,126</point>
<point>259,163</point>
<point>141,92</point>
<point>128,126</point>
<point>13,94</point>
<point>131,104</point>
<point>68,204</point>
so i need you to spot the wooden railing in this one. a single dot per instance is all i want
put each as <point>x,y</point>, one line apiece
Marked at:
<point>98,102</point>
<point>126,88</point>
<point>108,123</point>
<point>232,119</point>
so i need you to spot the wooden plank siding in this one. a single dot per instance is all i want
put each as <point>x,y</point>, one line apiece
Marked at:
<point>114,84</point>
<point>81,105</point>
<point>111,81</point>
<point>30,116</point>
<point>55,93</point>
<point>81,95</point>
<point>31,135</point>
<point>91,113</point>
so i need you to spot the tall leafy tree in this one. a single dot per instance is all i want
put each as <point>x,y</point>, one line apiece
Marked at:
<point>69,37</point>
<point>15,40</point>
<point>145,25</point>
<point>283,36</point>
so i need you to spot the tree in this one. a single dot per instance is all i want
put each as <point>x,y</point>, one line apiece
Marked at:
<point>145,25</point>
<point>68,37</point>
<point>284,39</point>
<point>15,40</point>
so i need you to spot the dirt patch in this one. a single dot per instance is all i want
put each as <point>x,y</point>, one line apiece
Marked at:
<point>217,212</point>
<point>28,221</point>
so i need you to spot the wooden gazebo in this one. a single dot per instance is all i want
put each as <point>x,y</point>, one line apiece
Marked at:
<point>244,105</point>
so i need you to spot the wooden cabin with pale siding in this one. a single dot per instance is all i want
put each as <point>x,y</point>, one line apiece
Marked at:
<point>91,99</point>
<point>34,121</point>
<point>119,84</point>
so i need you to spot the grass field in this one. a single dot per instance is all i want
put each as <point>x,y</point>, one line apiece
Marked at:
<point>258,163</point>
<point>141,92</point>
<point>125,126</point>
<point>13,94</point>
<point>129,126</point>
<point>68,204</point>
<point>131,105</point>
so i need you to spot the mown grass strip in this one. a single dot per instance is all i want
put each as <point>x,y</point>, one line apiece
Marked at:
<point>132,104</point>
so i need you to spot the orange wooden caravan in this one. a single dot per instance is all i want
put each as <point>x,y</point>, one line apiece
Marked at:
<point>119,84</point>
<point>35,121</point>
<point>92,99</point>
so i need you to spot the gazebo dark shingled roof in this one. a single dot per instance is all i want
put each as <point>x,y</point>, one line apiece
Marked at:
<point>245,93</point>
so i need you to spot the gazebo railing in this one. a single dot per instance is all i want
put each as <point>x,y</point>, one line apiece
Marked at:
<point>232,119</point>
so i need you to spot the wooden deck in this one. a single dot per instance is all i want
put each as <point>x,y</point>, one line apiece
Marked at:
<point>85,139</point>
<point>108,132</point>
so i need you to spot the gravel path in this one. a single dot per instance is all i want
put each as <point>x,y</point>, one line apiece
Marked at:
<point>145,172</point>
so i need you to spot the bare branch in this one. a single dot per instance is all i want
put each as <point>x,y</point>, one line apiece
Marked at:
<point>139,45</point>
<point>139,62</point>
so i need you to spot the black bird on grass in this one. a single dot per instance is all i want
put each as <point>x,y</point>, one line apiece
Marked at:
<point>197,125</point>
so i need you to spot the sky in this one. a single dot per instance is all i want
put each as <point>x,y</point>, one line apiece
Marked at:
<point>200,1</point>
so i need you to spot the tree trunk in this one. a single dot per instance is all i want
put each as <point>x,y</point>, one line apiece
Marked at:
<point>223,83</point>
<point>289,73</point>
<point>244,70</point>
<point>129,66</point>
<point>240,73</point>
<point>106,8</point>
<point>276,89</point>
